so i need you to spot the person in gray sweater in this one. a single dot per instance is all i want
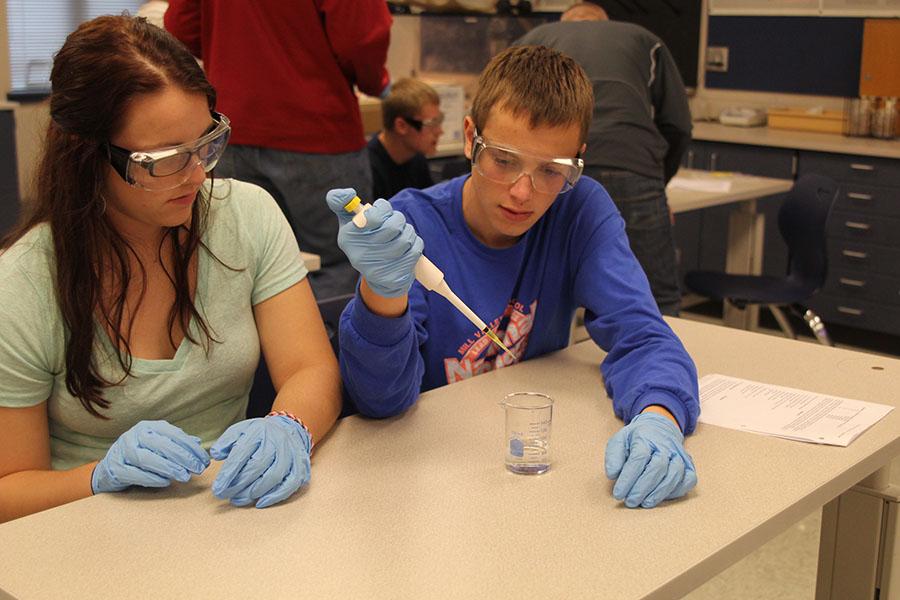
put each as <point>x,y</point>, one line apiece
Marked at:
<point>641,128</point>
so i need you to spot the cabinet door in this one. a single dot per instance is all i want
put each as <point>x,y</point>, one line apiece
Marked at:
<point>863,242</point>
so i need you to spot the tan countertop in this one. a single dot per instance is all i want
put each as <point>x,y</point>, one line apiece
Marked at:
<point>420,506</point>
<point>777,138</point>
<point>799,140</point>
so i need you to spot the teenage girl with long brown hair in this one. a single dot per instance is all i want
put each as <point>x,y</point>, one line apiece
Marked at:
<point>138,292</point>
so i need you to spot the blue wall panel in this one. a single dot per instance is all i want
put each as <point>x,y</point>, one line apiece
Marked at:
<point>803,55</point>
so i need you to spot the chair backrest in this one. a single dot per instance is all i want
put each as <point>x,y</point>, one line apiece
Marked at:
<point>262,393</point>
<point>802,222</point>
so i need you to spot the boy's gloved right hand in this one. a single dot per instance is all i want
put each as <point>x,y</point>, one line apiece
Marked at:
<point>648,461</point>
<point>385,251</point>
<point>150,454</point>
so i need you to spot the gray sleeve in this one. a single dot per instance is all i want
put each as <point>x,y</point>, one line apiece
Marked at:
<point>672,114</point>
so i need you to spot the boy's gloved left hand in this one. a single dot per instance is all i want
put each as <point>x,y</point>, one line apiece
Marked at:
<point>648,461</point>
<point>266,460</point>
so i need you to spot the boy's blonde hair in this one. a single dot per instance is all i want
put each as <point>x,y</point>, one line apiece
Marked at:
<point>407,97</point>
<point>535,81</point>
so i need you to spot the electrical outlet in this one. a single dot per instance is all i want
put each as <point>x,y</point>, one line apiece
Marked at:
<point>717,59</point>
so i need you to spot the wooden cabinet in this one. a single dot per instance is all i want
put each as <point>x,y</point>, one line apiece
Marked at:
<point>9,181</point>
<point>863,286</point>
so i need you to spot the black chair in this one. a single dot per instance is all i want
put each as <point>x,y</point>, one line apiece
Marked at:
<point>801,221</point>
<point>262,393</point>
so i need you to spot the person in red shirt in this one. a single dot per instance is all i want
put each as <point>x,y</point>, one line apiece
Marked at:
<point>285,73</point>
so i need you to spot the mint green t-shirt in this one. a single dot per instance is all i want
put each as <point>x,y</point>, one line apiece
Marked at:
<point>201,393</point>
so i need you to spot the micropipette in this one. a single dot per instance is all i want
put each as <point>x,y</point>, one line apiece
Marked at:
<point>430,277</point>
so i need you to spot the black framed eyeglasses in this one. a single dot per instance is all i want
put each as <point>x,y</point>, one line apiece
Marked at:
<point>431,123</point>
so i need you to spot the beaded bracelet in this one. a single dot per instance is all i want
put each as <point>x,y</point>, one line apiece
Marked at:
<point>296,419</point>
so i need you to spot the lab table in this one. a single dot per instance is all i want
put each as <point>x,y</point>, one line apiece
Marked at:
<point>421,506</point>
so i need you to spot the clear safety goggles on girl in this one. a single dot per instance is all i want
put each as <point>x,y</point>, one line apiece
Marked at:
<point>506,165</point>
<point>168,168</point>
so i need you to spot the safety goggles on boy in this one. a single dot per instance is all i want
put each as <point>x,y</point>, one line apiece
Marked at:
<point>432,123</point>
<point>506,165</point>
<point>168,168</point>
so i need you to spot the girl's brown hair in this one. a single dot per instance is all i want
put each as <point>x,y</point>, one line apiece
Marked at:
<point>102,66</point>
<point>545,85</point>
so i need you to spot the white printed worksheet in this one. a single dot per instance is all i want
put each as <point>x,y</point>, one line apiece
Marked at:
<point>785,412</point>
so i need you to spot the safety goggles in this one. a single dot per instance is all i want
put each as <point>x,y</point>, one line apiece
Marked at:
<point>506,165</point>
<point>168,168</point>
<point>432,123</point>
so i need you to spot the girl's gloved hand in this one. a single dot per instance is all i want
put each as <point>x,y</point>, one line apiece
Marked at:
<point>266,460</point>
<point>150,454</point>
<point>385,251</point>
<point>648,461</point>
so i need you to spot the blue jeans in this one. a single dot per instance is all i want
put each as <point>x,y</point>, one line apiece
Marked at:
<point>645,209</point>
<point>299,182</point>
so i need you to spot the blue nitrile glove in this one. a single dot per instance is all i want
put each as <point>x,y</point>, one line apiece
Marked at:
<point>648,461</point>
<point>150,454</point>
<point>266,460</point>
<point>385,251</point>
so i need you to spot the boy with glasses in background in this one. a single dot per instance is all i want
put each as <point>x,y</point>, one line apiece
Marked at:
<point>412,122</point>
<point>524,241</point>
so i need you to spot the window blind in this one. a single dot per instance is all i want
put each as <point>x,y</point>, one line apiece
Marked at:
<point>37,29</point>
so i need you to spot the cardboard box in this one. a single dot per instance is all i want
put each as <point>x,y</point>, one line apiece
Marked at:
<point>370,109</point>
<point>801,119</point>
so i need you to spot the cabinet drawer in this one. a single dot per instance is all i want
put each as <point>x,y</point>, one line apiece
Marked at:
<point>864,227</point>
<point>852,169</point>
<point>857,313</point>
<point>869,258</point>
<point>861,198</point>
<point>859,285</point>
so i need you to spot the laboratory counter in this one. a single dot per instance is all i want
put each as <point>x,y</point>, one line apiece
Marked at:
<point>421,506</point>
<point>796,140</point>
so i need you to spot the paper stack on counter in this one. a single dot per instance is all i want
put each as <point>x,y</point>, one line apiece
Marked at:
<point>785,412</point>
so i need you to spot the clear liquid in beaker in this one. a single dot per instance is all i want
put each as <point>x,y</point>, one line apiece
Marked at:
<point>528,420</point>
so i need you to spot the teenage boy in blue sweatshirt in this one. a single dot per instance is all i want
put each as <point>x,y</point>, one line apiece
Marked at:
<point>525,240</point>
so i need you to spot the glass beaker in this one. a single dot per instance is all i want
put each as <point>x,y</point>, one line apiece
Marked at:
<point>858,116</point>
<point>884,119</point>
<point>529,416</point>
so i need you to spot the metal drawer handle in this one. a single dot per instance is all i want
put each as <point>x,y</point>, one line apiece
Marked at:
<point>858,196</point>
<point>857,225</point>
<point>855,254</point>
<point>861,167</point>
<point>852,282</point>
<point>850,311</point>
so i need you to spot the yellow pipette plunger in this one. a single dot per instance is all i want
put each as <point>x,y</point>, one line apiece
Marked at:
<point>431,277</point>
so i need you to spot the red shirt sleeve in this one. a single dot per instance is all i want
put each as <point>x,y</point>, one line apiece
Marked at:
<point>182,19</point>
<point>359,32</point>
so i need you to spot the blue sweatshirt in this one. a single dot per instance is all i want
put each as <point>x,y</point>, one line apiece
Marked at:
<point>577,254</point>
